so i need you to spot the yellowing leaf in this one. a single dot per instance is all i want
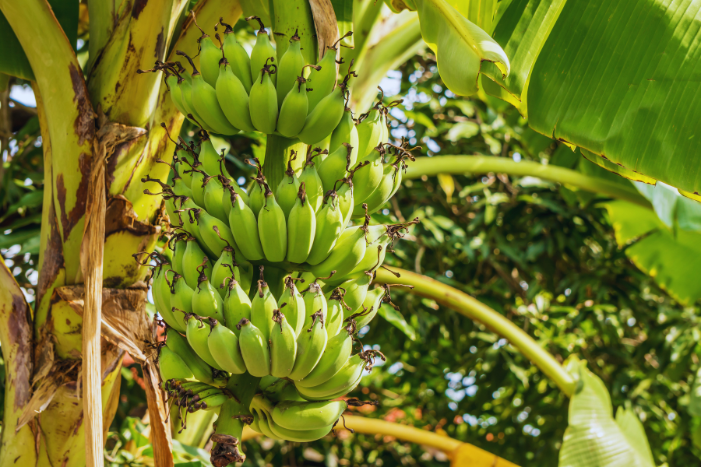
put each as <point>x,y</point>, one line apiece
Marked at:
<point>446,182</point>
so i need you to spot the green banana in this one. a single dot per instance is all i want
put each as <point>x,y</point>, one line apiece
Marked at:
<point>179,345</point>
<point>328,228</point>
<point>233,98</point>
<point>258,195</point>
<point>181,301</point>
<point>356,289</point>
<point>161,291</point>
<point>324,118</point>
<point>232,187</point>
<point>263,104</point>
<point>294,109</point>
<point>237,305</point>
<point>346,199</point>
<point>346,254</point>
<point>197,187</point>
<point>287,191</point>
<point>242,221</point>
<point>314,301</point>
<point>298,436</point>
<point>283,346</point>
<point>336,166</point>
<point>209,58</point>
<point>224,347</point>
<point>346,132</point>
<point>225,269</point>
<point>336,354</point>
<point>192,259</point>
<point>171,366</point>
<point>290,63</point>
<point>373,257</point>
<point>311,344</point>
<point>322,81</point>
<point>212,197</point>
<point>368,176</point>
<point>215,233</point>
<point>210,159</point>
<point>369,307</point>
<point>335,312</point>
<point>313,184</point>
<point>294,415</point>
<point>292,305</point>
<point>301,229</point>
<point>263,307</point>
<point>262,52</point>
<point>206,300</point>
<point>204,101</point>
<point>187,98</point>
<point>173,84</point>
<point>341,383</point>
<point>369,131</point>
<point>179,248</point>
<point>238,58</point>
<point>272,229</point>
<point>197,334</point>
<point>264,426</point>
<point>254,348</point>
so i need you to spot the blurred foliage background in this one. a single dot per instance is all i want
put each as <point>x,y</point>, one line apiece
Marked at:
<point>540,253</point>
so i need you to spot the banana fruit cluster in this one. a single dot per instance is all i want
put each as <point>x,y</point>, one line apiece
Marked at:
<point>233,91</point>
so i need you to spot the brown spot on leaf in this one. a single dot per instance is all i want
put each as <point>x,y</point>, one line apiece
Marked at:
<point>139,5</point>
<point>19,324</point>
<point>160,45</point>
<point>84,125</point>
<point>53,255</point>
<point>70,219</point>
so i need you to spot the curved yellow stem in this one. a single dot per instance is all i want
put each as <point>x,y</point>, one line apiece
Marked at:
<point>484,164</point>
<point>468,306</point>
<point>462,454</point>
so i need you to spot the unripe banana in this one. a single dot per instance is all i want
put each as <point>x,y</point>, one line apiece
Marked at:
<point>373,257</point>
<point>185,162</point>
<point>283,346</point>
<point>369,131</point>
<point>356,291</point>
<point>368,177</point>
<point>335,167</point>
<point>243,222</point>
<point>225,269</point>
<point>204,101</point>
<point>291,62</point>
<point>233,98</point>
<point>192,259</point>
<point>173,83</point>
<point>294,109</point>
<point>210,55</point>
<point>322,81</point>
<point>224,347</point>
<point>341,383</point>
<point>265,426</point>
<point>313,184</point>
<point>238,58</point>
<point>314,301</point>
<point>333,359</point>
<point>389,185</point>
<point>161,291</point>
<point>258,196</point>
<point>324,118</point>
<point>237,305</point>
<point>297,436</point>
<point>292,305</point>
<point>262,52</point>
<point>210,158</point>
<point>197,187</point>
<point>181,302</point>
<point>171,366</point>
<point>301,229</point>
<point>272,229</point>
<point>215,233</point>
<point>212,197</point>
<point>369,308</point>
<point>206,300</point>
<point>179,345</point>
<point>311,344</point>
<point>254,349</point>
<point>346,200</point>
<point>335,313</point>
<point>329,224</point>
<point>187,98</point>
<point>346,133</point>
<point>263,307</point>
<point>294,415</point>
<point>346,254</point>
<point>179,249</point>
<point>232,187</point>
<point>287,191</point>
<point>263,104</point>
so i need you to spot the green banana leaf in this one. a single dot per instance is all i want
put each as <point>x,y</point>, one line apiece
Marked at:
<point>594,438</point>
<point>344,11</point>
<point>13,60</point>
<point>460,46</point>
<point>620,79</point>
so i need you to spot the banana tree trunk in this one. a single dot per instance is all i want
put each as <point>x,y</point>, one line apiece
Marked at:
<point>113,118</point>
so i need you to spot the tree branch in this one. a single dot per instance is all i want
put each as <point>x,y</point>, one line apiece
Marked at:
<point>483,164</point>
<point>470,307</point>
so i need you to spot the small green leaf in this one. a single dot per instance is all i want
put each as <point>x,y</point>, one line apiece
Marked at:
<point>388,313</point>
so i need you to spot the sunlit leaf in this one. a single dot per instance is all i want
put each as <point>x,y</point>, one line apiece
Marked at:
<point>388,313</point>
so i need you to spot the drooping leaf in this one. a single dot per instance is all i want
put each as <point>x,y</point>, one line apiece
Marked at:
<point>594,438</point>
<point>671,257</point>
<point>617,169</point>
<point>460,46</point>
<point>622,79</point>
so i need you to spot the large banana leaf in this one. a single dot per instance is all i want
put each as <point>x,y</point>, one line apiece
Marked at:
<point>620,79</point>
<point>594,438</point>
